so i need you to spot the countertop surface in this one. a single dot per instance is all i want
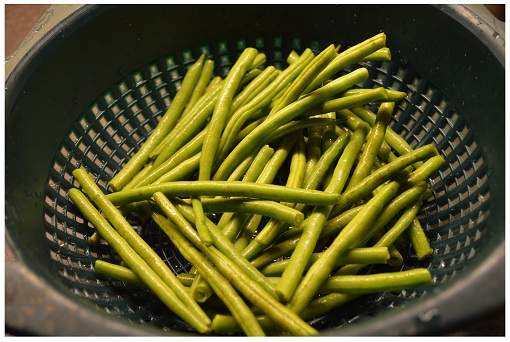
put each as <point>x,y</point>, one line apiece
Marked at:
<point>19,21</point>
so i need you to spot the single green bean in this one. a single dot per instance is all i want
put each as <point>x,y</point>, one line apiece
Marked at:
<point>140,176</point>
<point>373,144</point>
<point>376,283</point>
<point>165,125</point>
<point>313,149</point>
<point>419,240</point>
<point>200,222</point>
<point>198,320</point>
<point>225,188</point>
<point>272,209</point>
<point>220,284</point>
<point>350,236</point>
<point>401,225</point>
<point>256,137</point>
<point>383,54</point>
<point>127,232</point>
<point>186,278</point>
<point>221,112</point>
<point>118,272</point>
<point>350,56</point>
<point>384,173</point>
<point>393,95</point>
<point>424,171</point>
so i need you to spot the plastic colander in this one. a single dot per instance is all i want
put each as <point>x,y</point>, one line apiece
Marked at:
<point>90,90</point>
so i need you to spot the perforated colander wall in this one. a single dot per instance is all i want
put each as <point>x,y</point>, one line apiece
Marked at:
<point>120,119</point>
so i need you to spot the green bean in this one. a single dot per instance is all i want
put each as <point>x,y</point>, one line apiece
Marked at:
<point>140,176</point>
<point>393,95</point>
<point>94,238</point>
<point>259,60</point>
<point>200,289</point>
<point>118,272</point>
<point>181,171</point>
<point>328,137</point>
<point>383,54</point>
<point>315,222</point>
<point>384,173</point>
<point>397,142</point>
<point>262,100</point>
<point>200,222</point>
<point>260,161</point>
<point>164,126</point>
<point>313,149</point>
<point>225,188</point>
<point>298,125</point>
<point>401,225</point>
<point>189,126</point>
<point>350,237</point>
<point>253,88</point>
<point>381,282</point>
<point>373,144</point>
<point>249,288</point>
<point>247,231</point>
<point>216,279</point>
<point>186,278</point>
<point>309,73</point>
<point>350,56</point>
<point>190,149</point>
<point>335,105</point>
<point>254,139</point>
<point>424,171</point>
<point>200,87</point>
<point>199,321</point>
<point>273,209</point>
<point>366,255</point>
<point>396,259</point>
<point>222,111</point>
<point>419,240</point>
<point>127,232</point>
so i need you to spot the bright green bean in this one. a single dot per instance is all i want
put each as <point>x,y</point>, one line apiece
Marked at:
<point>401,225</point>
<point>256,137</point>
<point>380,282</point>
<point>195,317</point>
<point>383,54</point>
<point>313,149</point>
<point>419,240</point>
<point>393,95</point>
<point>181,171</point>
<point>221,112</point>
<point>424,171</point>
<point>225,188</point>
<point>373,144</point>
<point>165,125</point>
<point>273,209</point>
<point>200,222</point>
<point>118,272</point>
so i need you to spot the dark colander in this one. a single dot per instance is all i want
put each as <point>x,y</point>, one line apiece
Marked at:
<point>90,91</point>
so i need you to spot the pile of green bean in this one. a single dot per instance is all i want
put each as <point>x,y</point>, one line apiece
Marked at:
<point>307,186</point>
